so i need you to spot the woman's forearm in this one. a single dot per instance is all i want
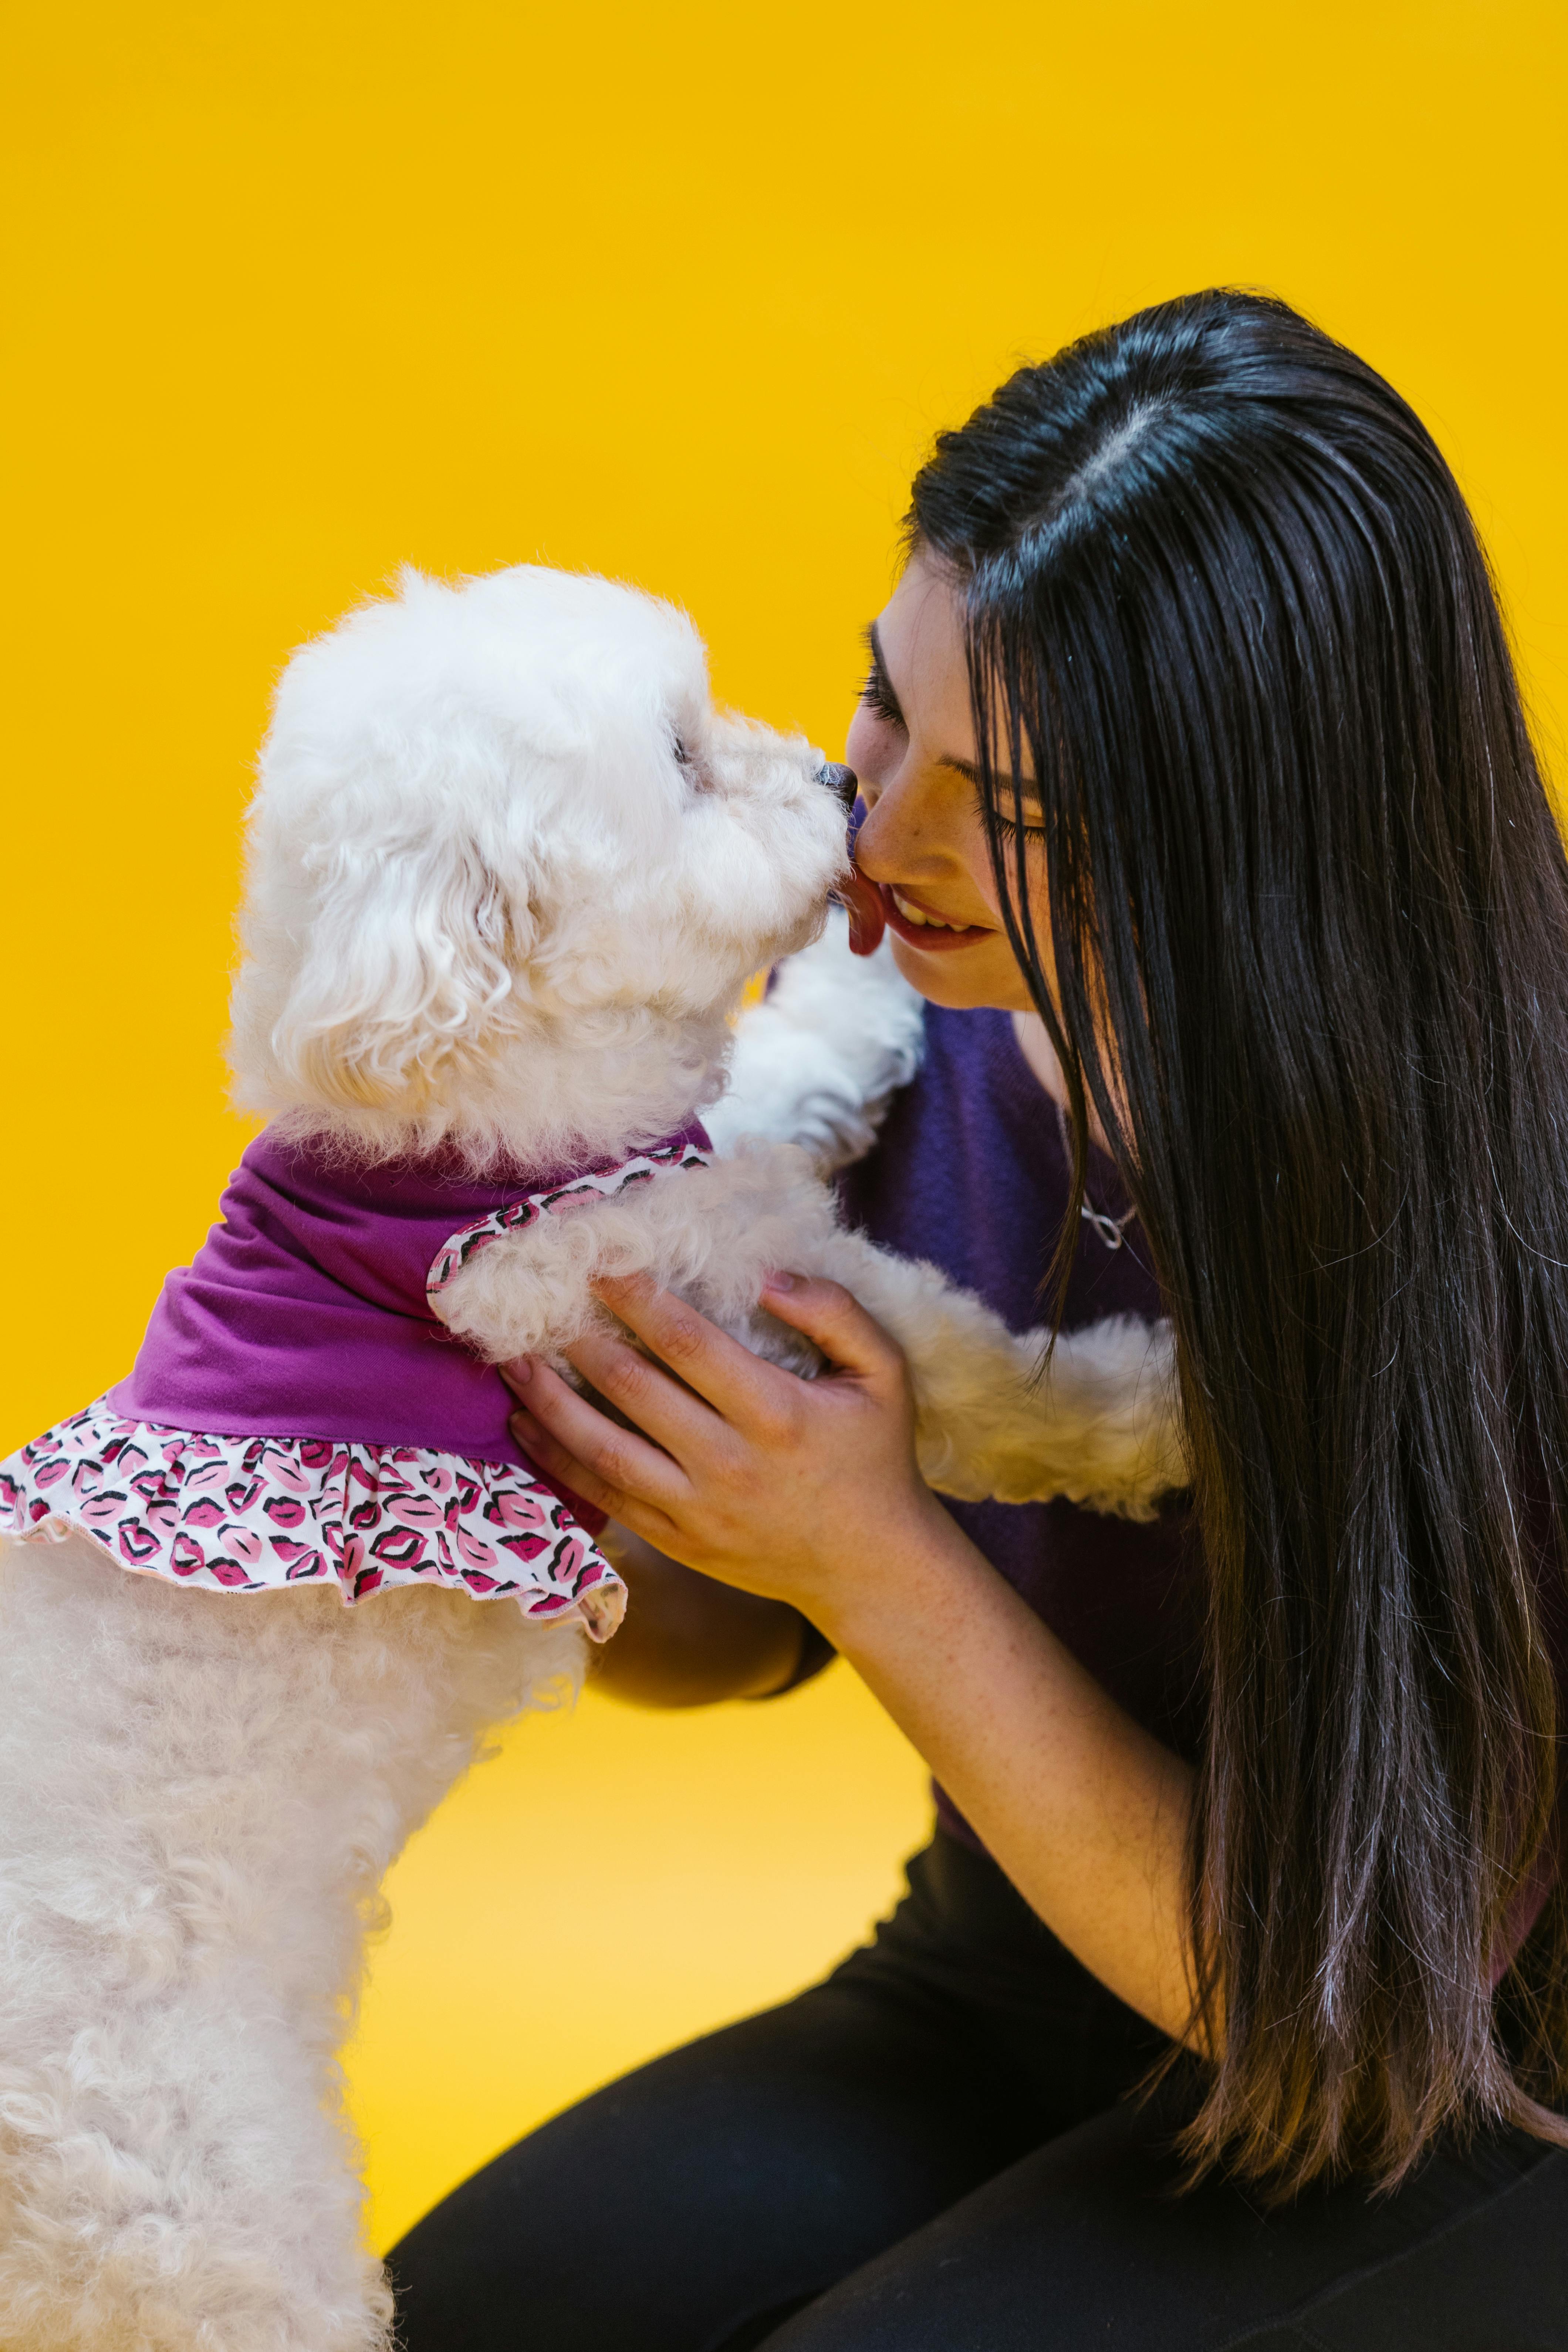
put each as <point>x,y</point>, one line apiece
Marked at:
<point>1085,1812</point>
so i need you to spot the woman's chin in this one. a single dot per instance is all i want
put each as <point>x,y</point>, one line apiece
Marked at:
<point>965,980</point>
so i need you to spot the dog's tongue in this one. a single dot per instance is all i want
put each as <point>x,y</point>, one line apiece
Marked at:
<point>867,920</point>
<point>861,899</point>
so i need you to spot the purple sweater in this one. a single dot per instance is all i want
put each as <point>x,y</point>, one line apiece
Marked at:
<point>970,1171</point>
<point>304,1314</point>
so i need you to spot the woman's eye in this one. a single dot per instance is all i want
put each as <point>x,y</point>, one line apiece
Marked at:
<point>874,694</point>
<point>1010,828</point>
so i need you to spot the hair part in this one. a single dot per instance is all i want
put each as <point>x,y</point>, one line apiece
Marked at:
<point>1307,925</point>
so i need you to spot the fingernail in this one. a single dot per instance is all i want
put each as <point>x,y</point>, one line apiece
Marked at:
<point>517,1375</point>
<point>779,1282</point>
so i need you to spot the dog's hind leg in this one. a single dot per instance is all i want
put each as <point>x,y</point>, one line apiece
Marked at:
<point>199,1794</point>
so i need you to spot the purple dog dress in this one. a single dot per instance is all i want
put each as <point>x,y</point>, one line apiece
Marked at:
<point>298,1414</point>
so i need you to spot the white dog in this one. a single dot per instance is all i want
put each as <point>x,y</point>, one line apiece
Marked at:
<point>510,871</point>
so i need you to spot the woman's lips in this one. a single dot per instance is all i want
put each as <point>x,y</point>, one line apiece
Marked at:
<point>932,937</point>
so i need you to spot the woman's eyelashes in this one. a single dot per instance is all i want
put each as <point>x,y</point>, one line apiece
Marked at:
<point>880,697</point>
<point>1009,828</point>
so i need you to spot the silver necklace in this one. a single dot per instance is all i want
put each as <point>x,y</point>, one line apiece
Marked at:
<point>1111,1231</point>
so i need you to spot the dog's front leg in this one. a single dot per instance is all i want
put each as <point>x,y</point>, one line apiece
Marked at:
<point>1099,1424</point>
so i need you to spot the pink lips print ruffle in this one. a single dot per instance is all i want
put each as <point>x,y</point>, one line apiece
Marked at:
<point>254,1514</point>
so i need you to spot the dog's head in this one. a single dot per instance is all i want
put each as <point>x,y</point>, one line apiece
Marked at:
<point>503,816</point>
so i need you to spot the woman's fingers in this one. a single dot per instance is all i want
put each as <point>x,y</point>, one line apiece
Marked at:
<point>726,1375</point>
<point>617,1462</point>
<point>534,1440</point>
<point>718,1427</point>
<point>558,1463</point>
<point>663,1407</point>
<point>831,1317</point>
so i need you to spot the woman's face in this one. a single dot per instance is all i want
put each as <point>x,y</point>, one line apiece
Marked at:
<point>913,746</point>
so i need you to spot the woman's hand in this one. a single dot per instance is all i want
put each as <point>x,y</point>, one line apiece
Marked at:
<point>804,1491</point>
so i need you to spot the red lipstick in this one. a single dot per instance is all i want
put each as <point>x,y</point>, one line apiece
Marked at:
<point>932,938</point>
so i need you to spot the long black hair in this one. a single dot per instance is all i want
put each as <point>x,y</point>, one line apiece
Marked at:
<point>1308,956</point>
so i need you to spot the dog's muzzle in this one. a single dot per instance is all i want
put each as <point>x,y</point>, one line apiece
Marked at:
<point>842,783</point>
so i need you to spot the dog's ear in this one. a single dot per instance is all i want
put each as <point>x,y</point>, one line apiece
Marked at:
<point>411,949</point>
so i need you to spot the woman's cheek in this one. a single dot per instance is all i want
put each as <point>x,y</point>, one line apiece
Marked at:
<point>871,748</point>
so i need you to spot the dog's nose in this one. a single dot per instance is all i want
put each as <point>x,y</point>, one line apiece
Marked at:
<point>843,781</point>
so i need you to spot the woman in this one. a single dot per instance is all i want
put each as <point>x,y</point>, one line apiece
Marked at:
<point>1192,735</point>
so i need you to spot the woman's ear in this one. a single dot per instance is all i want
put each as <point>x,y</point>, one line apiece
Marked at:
<point>403,955</point>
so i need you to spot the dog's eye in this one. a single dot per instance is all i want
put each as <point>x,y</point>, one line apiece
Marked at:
<point>687,761</point>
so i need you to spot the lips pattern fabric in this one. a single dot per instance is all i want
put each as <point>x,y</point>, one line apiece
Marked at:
<point>254,1514</point>
<point>599,1184</point>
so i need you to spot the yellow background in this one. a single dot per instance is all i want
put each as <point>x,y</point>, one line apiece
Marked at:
<point>299,289</point>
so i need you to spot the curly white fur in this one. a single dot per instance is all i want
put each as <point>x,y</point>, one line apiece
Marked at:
<point>819,1059</point>
<point>509,874</point>
<point>510,871</point>
<point>198,1799</point>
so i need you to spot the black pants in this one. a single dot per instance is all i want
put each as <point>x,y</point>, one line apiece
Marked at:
<point>933,2152</point>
